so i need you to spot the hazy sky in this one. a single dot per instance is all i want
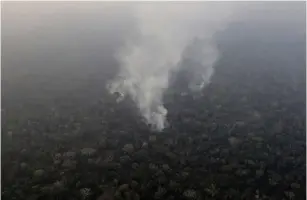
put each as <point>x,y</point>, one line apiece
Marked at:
<point>31,28</point>
<point>76,29</point>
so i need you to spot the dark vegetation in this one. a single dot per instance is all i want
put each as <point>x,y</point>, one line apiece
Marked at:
<point>243,138</point>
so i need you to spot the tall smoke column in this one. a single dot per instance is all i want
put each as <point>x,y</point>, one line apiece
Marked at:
<point>165,31</point>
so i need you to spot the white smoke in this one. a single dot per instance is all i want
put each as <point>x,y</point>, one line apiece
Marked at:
<point>167,32</point>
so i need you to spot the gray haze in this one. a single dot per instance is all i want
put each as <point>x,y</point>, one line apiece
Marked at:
<point>63,46</point>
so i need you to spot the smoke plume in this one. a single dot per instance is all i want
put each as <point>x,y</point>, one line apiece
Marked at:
<point>170,36</point>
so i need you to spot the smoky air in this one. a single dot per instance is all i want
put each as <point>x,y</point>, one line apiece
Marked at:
<point>153,100</point>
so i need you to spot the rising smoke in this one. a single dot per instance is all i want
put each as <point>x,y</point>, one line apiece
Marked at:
<point>170,36</point>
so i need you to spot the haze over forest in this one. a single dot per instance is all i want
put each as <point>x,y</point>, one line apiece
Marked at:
<point>177,100</point>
